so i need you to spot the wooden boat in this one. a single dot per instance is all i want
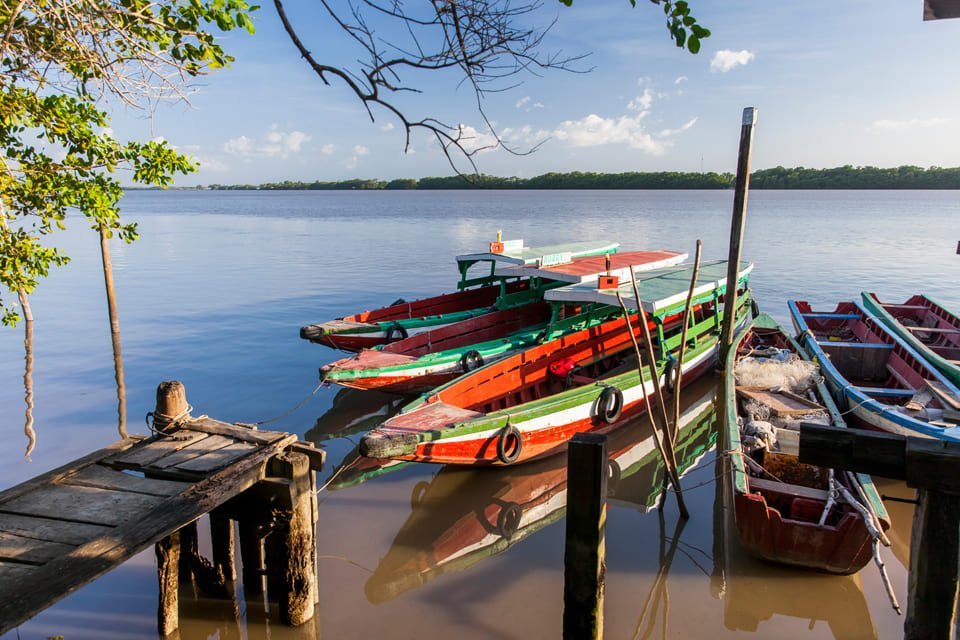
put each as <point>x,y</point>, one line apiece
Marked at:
<point>787,511</point>
<point>426,360</point>
<point>531,403</point>
<point>462,516</point>
<point>475,296</point>
<point>930,328</point>
<point>875,376</point>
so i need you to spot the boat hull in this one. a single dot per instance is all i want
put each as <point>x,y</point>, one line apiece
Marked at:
<point>911,371</point>
<point>779,522</point>
<point>942,330</point>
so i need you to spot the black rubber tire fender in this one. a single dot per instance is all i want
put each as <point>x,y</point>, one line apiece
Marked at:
<point>754,307</point>
<point>509,444</point>
<point>396,332</point>
<point>471,360</point>
<point>610,404</point>
<point>670,372</point>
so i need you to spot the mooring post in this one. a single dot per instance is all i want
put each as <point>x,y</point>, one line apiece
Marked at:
<point>222,545</point>
<point>741,189</point>
<point>168,561</point>
<point>291,567</point>
<point>171,405</point>
<point>251,555</point>
<point>584,555</point>
<point>932,591</point>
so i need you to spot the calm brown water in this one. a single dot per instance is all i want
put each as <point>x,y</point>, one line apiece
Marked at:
<point>215,293</point>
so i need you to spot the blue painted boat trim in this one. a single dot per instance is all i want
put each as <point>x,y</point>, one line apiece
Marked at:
<point>857,398</point>
<point>858,345</point>
<point>881,392</point>
<point>832,316</point>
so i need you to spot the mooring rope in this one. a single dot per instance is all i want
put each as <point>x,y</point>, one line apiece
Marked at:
<point>288,412</point>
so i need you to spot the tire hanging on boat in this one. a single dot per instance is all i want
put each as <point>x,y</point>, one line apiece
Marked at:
<point>419,490</point>
<point>754,307</point>
<point>471,360</point>
<point>396,332</point>
<point>610,404</point>
<point>670,373</point>
<point>507,451</point>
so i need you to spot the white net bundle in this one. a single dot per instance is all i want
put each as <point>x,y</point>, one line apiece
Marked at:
<point>780,369</point>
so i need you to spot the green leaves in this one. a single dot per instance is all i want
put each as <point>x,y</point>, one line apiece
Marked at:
<point>59,59</point>
<point>682,26</point>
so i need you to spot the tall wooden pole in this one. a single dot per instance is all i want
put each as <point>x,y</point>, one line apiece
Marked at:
<point>741,188</point>
<point>114,331</point>
<point>584,556</point>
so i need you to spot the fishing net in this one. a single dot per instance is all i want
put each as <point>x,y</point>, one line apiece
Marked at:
<point>782,369</point>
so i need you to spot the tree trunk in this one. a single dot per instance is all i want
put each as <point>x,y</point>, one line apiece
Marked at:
<point>114,332</point>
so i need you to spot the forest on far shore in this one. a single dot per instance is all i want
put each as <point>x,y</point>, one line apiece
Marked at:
<point>846,177</point>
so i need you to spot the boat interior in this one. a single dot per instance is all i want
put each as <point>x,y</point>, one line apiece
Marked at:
<point>439,305</point>
<point>930,324</point>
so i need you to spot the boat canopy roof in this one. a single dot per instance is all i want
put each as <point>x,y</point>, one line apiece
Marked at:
<point>577,270</point>
<point>659,288</point>
<point>514,252</point>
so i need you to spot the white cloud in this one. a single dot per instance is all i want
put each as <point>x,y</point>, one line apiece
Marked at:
<point>275,144</point>
<point>527,104</point>
<point>907,125</point>
<point>387,127</point>
<point>680,79</point>
<point>593,130</point>
<point>666,133</point>
<point>641,103</point>
<point>360,150</point>
<point>726,60</point>
<point>473,140</point>
<point>212,164</point>
<point>351,162</point>
<point>328,149</point>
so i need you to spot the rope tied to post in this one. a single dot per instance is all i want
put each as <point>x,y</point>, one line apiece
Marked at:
<point>168,421</point>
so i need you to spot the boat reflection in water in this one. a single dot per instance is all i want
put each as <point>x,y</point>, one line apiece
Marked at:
<point>757,595</point>
<point>354,412</point>
<point>463,515</point>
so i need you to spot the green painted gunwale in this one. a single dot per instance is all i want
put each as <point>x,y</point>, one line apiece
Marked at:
<point>731,429</point>
<point>703,336</point>
<point>944,366</point>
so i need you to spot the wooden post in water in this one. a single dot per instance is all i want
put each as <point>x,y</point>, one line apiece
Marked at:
<point>925,464</point>
<point>584,555</point>
<point>222,542</point>
<point>171,404</point>
<point>168,561</point>
<point>741,189</point>
<point>290,560</point>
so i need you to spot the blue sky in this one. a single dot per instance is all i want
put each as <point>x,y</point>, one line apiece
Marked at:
<point>857,82</point>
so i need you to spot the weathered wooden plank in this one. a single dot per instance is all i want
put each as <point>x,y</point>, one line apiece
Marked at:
<point>944,393</point>
<point>55,474</point>
<point>72,533</point>
<point>197,449</point>
<point>154,449</point>
<point>82,504</point>
<point>781,402</point>
<point>245,434</point>
<point>22,599</point>
<point>317,456</point>
<point>101,477</point>
<point>12,572</point>
<point>217,459</point>
<point>30,550</point>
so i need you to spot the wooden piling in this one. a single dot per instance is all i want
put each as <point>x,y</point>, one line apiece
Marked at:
<point>741,189</point>
<point>189,549</point>
<point>171,404</point>
<point>222,544</point>
<point>585,551</point>
<point>932,591</point>
<point>251,555</point>
<point>289,547</point>
<point>168,562</point>
<point>929,466</point>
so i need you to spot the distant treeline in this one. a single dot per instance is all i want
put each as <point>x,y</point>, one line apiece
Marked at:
<point>847,177</point>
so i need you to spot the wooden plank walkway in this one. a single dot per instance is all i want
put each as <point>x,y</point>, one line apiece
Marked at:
<point>63,529</point>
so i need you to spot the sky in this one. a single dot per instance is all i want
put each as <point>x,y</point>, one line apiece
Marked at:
<point>860,82</point>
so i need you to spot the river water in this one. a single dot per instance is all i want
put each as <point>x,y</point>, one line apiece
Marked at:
<point>214,294</point>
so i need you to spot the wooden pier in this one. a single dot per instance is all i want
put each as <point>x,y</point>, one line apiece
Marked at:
<point>63,529</point>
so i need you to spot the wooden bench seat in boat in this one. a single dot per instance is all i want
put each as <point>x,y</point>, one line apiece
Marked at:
<point>761,484</point>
